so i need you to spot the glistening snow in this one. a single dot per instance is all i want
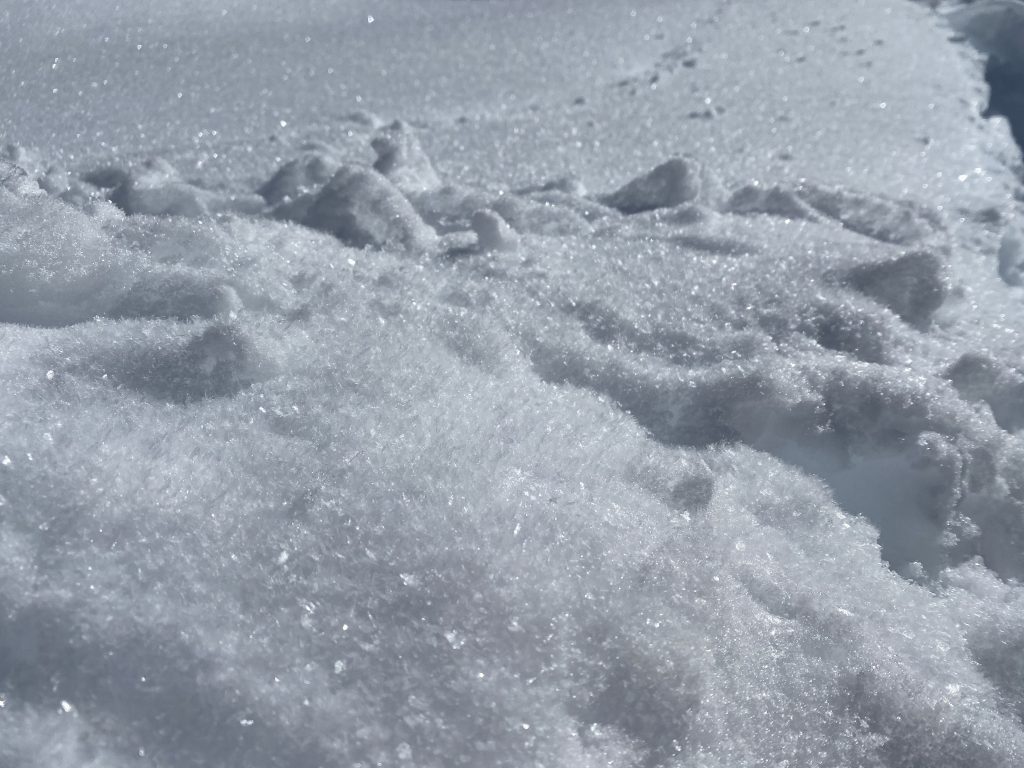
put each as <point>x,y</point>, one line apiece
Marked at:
<point>442,383</point>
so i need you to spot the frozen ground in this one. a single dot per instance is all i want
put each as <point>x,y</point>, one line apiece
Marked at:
<point>478,383</point>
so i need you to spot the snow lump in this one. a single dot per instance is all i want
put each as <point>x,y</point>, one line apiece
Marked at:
<point>361,207</point>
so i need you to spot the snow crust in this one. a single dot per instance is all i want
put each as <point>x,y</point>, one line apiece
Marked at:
<point>605,386</point>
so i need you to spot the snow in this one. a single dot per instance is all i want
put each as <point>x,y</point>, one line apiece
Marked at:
<point>435,383</point>
<point>672,183</point>
<point>59,265</point>
<point>361,207</point>
<point>401,158</point>
<point>492,232</point>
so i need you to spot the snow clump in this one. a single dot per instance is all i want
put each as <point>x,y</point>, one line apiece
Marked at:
<point>361,207</point>
<point>672,183</point>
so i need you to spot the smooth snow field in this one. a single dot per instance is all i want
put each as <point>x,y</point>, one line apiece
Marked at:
<point>493,383</point>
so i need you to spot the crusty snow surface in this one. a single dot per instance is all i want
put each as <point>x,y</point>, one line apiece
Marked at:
<point>508,383</point>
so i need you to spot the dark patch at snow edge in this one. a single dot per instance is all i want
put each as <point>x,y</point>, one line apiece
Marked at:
<point>1006,95</point>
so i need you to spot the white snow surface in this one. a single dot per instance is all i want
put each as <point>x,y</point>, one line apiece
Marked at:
<point>478,383</point>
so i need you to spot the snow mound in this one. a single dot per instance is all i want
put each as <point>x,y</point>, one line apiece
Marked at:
<point>176,295</point>
<point>156,189</point>
<point>220,362</point>
<point>451,207</point>
<point>15,180</point>
<point>401,158</point>
<point>493,233</point>
<point>901,222</point>
<point>672,183</point>
<point>56,181</point>
<point>362,208</point>
<point>771,201</point>
<point>978,377</point>
<point>540,217</point>
<point>25,158</point>
<point>300,176</point>
<point>845,325</point>
<point>913,285</point>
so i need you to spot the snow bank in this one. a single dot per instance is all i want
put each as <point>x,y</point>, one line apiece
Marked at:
<point>580,522</point>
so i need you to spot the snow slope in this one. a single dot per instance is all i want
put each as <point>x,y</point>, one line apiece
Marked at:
<point>435,382</point>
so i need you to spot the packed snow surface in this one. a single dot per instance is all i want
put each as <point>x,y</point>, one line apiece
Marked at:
<point>446,383</point>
